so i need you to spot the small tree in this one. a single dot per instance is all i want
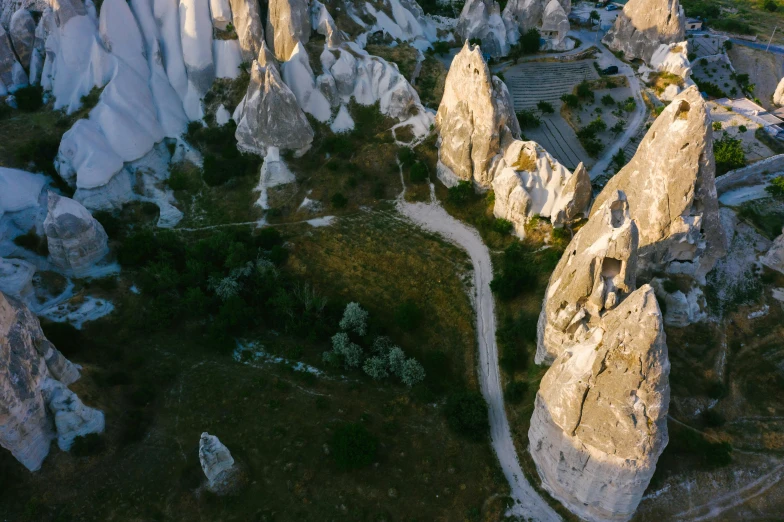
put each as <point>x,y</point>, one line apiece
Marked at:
<point>412,372</point>
<point>716,126</point>
<point>397,360</point>
<point>530,41</point>
<point>729,154</point>
<point>376,367</point>
<point>594,17</point>
<point>545,107</point>
<point>352,353</point>
<point>608,100</point>
<point>776,188</point>
<point>354,319</point>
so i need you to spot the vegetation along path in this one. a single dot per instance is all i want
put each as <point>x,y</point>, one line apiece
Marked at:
<point>432,216</point>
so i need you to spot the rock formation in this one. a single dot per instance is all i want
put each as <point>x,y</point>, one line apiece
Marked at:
<point>600,416</point>
<point>594,275</point>
<point>22,33</point>
<point>16,278</point>
<point>269,115</point>
<point>288,23</point>
<point>670,187</point>
<point>36,406</point>
<point>535,183</point>
<point>555,25</point>
<point>217,463</point>
<point>519,16</point>
<point>774,258</point>
<point>323,23</point>
<point>644,25</point>
<point>778,96</point>
<point>220,12</point>
<point>247,22</point>
<point>12,74</point>
<point>482,19</point>
<point>672,58</point>
<point>76,239</point>
<point>475,121</point>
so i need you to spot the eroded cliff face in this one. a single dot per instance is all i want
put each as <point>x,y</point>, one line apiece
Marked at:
<point>644,25</point>
<point>35,404</point>
<point>595,274</point>
<point>475,121</point>
<point>600,418</point>
<point>671,190</point>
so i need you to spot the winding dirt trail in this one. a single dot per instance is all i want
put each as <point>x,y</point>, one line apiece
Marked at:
<point>432,216</point>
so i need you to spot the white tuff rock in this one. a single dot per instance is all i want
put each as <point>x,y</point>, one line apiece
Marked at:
<point>594,275</point>
<point>482,19</point>
<point>22,33</point>
<point>76,239</point>
<point>600,417</point>
<point>216,462</point>
<point>220,11</point>
<point>671,190</point>
<point>475,121</point>
<point>288,23</point>
<point>644,25</point>
<point>36,406</point>
<point>249,27</point>
<point>532,182</point>
<point>778,96</point>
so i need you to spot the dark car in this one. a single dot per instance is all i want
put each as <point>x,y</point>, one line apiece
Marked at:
<point>613,69</point>
<point>612,7</point>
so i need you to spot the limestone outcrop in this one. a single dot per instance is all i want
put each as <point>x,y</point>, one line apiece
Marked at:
<point>35,405</point>
<point>600,416</point>
<point>22,33</point>
<point>288,23</point>
<point>644,25</point>
<point>475,121</point>
<point>76,239</point>
<point>671,191</point>
<point>774,258</point>
<point>534,183</point>
<point>217,463</point>
<point>482,19</point>
<point>246,17</point>
<point>594,275</point>
<point>269,115</point>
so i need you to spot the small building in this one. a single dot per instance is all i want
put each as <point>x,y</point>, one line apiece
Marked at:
<point>693,24</point>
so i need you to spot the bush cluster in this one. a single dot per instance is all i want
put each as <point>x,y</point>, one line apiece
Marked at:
<point>729,154</point>
<point>466,413</point>
<point>222,160</point>
<point>521,267</point>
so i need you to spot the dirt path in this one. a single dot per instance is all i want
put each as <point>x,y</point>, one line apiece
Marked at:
<point>432,216</point>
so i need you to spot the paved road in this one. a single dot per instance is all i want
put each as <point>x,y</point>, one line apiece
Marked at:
<point>432,216</point>
<point>776,49</point>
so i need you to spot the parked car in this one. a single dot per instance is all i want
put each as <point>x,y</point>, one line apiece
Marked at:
<point>599,4</point>
<point>612,7</point>
<point>613,69</point>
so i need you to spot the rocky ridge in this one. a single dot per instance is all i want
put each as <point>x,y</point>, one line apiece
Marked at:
<point>36,405</point>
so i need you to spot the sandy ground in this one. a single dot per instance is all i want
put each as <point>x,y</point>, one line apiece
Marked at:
<point>764,70</point>
<point>434,218</point>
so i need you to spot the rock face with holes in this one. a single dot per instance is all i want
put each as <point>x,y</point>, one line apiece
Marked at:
<point>644,25</point>
<point>481,19</point>
<point>671,192</point>
<point>217,463</point>
<point>600,416</point>
<point>595,274</point>
<point>269,115</point>
<point>76,239</point>
<point>288,23</point>
<point>475,121</point>
<point>35,404</point>
<point>531,182</point>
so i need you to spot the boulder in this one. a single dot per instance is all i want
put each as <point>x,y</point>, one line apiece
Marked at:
<point>600,417</point>
<point>671,191</point>
<point>644,25</point>
<point>482,19</point>
<point>12,74</point>
<point>217,463</point>
<point>269,115</point>
<point>774,258</point>
<point>288,23</point>
<point>22,33</point>
<point>532,183</point>
<point>475,121</point>
<point>594,275</point>
<point>76,239</point>
<point>33,377</point>
<point>246,15</point>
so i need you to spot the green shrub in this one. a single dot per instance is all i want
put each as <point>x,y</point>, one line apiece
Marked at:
<point>461,194</point>
<point>30,98</point>
<point>584,91</point>
<point>41,152</point>
<point>182,179</point>
<point>520,269</point>
<point>528,119</point>
<point>729,154</point>
<point>619,159</point>
<point>503,226</point>
<point>742,128</point>
<point>710,88</point>
<point>571,101</point>
<point>515,391</point>
<point>338,200</point>
<point>353,446</point>
<point>530,41</point>
<point>466,413</point>
<point>545,107</point>
<point>771,5</point>
<point>418,173</point>
<point>776,187</point>
<point>608,100</point>
<point>716,126</point>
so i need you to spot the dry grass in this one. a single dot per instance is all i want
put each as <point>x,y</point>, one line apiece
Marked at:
<point>660,81</point>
